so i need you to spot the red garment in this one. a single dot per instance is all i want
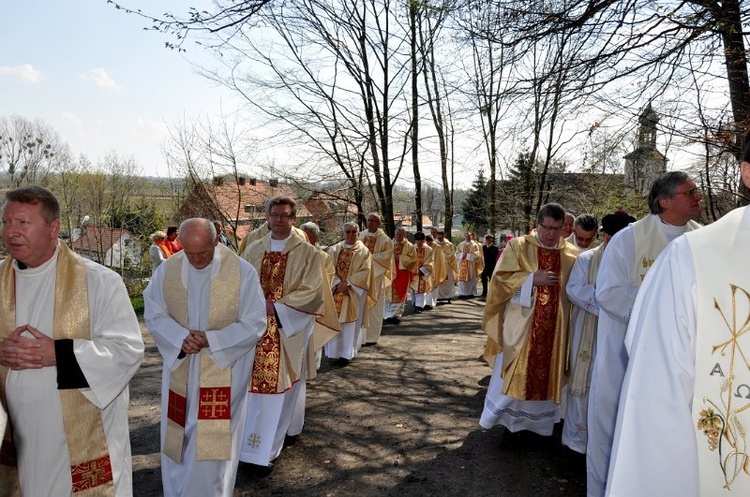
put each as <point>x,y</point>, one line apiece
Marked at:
<point>174,245</point>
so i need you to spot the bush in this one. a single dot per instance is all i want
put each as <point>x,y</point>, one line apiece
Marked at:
<point>137,302</point>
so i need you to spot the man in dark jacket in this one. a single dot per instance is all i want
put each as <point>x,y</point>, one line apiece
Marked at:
<point>490,251</point>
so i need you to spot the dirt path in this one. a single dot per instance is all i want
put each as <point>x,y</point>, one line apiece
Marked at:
<point>400,420</point>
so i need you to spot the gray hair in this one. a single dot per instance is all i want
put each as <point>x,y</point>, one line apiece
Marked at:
<point>195,222</point>
<point>375,215</point>
<point>665,186</point>
<point>553,210</point>
<point>312,228</point>
<point>350,223</point>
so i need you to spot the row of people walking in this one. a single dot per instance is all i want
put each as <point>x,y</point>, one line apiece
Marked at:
<point>624,342</point>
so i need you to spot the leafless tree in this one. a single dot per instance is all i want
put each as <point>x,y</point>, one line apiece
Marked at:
<point>28,150</point>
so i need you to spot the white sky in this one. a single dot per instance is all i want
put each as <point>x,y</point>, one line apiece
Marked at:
<point>99,79</point>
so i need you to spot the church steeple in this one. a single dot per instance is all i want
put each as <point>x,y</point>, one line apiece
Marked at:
<point>644,164</point>
<point>647,130</point>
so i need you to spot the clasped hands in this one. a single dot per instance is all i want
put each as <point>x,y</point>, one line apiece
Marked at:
<point>194,342</point>
<point>545,278</point>
<point>23,352</point>
<point>341,287</point>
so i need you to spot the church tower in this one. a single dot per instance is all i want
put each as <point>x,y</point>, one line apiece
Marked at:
<point>645,163</point>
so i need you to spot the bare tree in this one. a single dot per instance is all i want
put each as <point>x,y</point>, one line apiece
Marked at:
<point>28,150</point>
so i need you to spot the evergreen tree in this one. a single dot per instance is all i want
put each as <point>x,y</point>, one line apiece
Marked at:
<point>475,205</point>
<point>523,175</point>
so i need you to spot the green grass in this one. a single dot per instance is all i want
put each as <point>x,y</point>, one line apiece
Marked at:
<point>137,302</point>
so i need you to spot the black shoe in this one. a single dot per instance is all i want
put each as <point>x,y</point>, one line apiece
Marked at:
<point>427,308</point>
<point>290,440</point>
<point>342,362</point>
<point>417,310</point>
<point>260,471</point>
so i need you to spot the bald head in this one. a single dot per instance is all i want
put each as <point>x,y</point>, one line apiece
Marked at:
<point>198,237</point>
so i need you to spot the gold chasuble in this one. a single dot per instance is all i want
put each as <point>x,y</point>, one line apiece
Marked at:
<point>404,261</point>
<point>353,266</point>
<point>468,270</point>
<point>294,278</point>
<point>533,339</point>
<point>327,324</point>
<point>90,467</point>
<point>214,436</point>
<point>439,267</point>
<point>721,399</point>
<point>422,283</point>
<point>381,250</point>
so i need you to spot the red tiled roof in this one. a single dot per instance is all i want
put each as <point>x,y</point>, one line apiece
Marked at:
<point>96,238</point>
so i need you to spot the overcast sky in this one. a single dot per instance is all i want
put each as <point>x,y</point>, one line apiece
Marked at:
<point>103,83</point>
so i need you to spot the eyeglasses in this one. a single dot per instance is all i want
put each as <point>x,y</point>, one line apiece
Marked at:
<point>550,228</point>
<point>693,192</point>
<point>350,231</point>
<point>280,216</point>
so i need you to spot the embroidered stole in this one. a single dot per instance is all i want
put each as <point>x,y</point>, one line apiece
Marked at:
<point>721,399</point>
<point>90,466</point>
<point>343,263</point>
<point>649,243</point>
<point>543,328</point>
<point>370,242</point>
<point>273,371</point>
<point>400,284</point>
<point>213,432</point>
<point>579,376</point>
<point>463,267</point>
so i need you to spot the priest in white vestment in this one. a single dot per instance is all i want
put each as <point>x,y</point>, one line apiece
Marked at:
<point>673,201</point>
<point>205,309</point>
<point>381,249</point>
<point>69,344</point>
<point>291,275</point>
<point>685,403</point>
<point>581,290</point>
<point>526,318</point>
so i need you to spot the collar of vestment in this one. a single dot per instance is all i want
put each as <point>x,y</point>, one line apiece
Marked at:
<point>91,469</point>
<point>532,239</point>
<point>651,237</point>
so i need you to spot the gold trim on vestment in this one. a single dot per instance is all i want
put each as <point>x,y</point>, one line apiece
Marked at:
<point>213,432</point>
<point>91,469</point>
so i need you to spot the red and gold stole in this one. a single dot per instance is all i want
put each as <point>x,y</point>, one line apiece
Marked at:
<point>543,328</point>
<point>214,435</point>
<point>90,466</point>
<point>401,281</point>
<point>343,263</point>
<point>463,268</point>
<point>267,366</point>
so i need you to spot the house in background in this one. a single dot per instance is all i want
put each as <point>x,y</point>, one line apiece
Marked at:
<point>111,247</point>
<point>239,203</point>
<point>330,212</point>
<point>406,221</point>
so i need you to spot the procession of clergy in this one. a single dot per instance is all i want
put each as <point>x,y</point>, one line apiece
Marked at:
<point>602,335</point>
